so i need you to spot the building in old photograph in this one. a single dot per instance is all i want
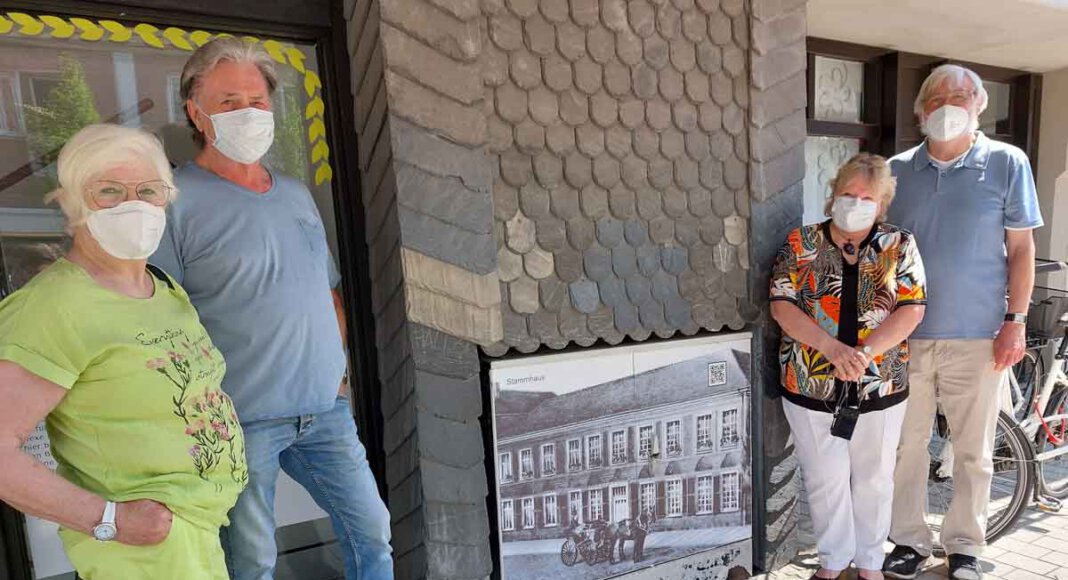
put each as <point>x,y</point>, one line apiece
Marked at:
<point>672,440</point>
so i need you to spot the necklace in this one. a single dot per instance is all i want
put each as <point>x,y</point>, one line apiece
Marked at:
<point>849,248</point>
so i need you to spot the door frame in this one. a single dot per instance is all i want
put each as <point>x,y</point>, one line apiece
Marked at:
<point>324,27</point>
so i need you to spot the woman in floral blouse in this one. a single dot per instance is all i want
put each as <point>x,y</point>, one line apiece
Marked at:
<point>847,293</point>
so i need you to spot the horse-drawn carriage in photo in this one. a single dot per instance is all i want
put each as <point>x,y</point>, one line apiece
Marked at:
<point>596,541</point>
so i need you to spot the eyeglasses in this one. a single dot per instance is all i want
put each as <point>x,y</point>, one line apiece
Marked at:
<point>955,98</point>
<point>108,194</point>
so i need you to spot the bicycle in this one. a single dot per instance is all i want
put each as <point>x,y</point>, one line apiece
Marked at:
<point>1031,439</point>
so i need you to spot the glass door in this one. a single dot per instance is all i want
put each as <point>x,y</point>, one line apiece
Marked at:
<point>58,74</point>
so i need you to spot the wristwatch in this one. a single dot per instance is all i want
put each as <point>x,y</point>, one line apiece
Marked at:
<point>106,531</point>
<point>1016,317</point>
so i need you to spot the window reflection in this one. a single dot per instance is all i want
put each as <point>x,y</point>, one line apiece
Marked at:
<point>49,89</point>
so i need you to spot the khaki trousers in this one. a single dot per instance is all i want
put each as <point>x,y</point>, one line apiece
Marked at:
<point>961,373</point>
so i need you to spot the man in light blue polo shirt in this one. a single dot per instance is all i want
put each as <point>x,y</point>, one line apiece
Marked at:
<point>248,246</point>
<point>971,203</point>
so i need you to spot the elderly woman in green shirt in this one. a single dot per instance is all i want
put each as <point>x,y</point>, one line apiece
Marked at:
<point>111,354</point>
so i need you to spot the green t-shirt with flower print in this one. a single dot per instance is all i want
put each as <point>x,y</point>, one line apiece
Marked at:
<point>144,416</point>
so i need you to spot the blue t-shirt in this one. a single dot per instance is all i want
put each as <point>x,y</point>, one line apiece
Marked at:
<point>959,216</point>
<point>259,272</point>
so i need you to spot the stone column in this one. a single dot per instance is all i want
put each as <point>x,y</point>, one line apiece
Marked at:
<point>426,186</point>
<point>778,129</point>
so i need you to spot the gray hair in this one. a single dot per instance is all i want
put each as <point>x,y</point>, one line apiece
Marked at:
<point>207,57</point>
<point>955,75</point>
<point>96,149</point>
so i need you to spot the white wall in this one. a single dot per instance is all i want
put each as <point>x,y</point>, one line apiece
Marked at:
<point>1052,178</point>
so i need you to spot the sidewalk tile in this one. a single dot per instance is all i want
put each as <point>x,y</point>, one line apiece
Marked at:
<point>1058,558</point>
<point>1023,575</point>
<point>1027,563</point>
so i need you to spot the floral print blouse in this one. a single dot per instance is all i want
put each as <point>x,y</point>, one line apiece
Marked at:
<point>808,272</point>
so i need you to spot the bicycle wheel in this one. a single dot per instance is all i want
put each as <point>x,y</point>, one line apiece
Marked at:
<point>1010,490</point>
<point>1053,473</point>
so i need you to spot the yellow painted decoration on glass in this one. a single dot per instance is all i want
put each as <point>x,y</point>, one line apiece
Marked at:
<point>83,29</point>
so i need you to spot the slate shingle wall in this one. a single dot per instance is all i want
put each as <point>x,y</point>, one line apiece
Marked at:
<point>620,189</point>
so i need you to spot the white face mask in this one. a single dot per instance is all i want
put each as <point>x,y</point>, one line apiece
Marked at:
<point>947,123</point>
<point>243,135</point>
<point>130,230</point>
<point>852,214</point>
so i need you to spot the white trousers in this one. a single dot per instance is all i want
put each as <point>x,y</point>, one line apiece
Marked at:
<point>850,484</point>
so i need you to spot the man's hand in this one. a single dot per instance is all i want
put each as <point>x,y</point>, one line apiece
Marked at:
<point>142,522</point>
<point>849,363</point>
<point>1009,346</point>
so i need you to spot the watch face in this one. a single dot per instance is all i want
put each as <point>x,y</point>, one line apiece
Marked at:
<point>104,532</point>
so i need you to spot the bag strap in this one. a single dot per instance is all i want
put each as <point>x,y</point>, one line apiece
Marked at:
<point>158,273</point>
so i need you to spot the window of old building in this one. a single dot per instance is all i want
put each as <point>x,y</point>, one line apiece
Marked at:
<point>549,510</point>
<point>728,429</point>
<point>596,499</point>
<point>593,451</point>
<point>574,455</point>
<point>548,459</point>
<point>704,494</point>
<point>705,440</point>
<point>619,447</point>
<point>728,495</point>
<point>528,513</point>
<point>673,497</point>
<point>506,467</point>
<point>526,464</point>
<point>673,438</point>
<point>620,503</point>
<point>507,515</point>
<point>574,508</point>
<point>645,441</point>
<point>647,497</point>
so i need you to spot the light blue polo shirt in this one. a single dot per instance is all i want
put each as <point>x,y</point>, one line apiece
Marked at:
<point>259,272</point>
<point>959,216</point>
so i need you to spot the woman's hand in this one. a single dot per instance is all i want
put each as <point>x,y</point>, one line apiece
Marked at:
<point>142,522</point>
<point>849,363</point>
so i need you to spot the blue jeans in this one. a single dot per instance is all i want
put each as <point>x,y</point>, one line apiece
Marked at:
<point>323,453</point>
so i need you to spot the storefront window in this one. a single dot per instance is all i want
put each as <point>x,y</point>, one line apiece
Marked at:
<point>51,87</point>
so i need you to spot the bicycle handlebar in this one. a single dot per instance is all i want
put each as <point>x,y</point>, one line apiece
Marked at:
<point>1045,267</point>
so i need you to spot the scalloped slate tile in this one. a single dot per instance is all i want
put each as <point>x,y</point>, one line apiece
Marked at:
<point>624,261</point>
<point>675,260</point>
<point>610,232</point>
<point>597,262</point>
<point>584,296</point>
<point>639,288</point>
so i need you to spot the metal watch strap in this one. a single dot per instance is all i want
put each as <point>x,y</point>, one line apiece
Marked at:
<point>109,513</point>
<point>1016,317</point>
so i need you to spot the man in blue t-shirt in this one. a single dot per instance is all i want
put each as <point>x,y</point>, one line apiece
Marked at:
<point>972,205</point>
<point>249,247</point>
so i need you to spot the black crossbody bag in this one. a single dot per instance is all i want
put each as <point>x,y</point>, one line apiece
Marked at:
<point>846,411</point>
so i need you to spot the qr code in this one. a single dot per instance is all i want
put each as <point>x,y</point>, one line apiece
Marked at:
<point>717,374</point>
